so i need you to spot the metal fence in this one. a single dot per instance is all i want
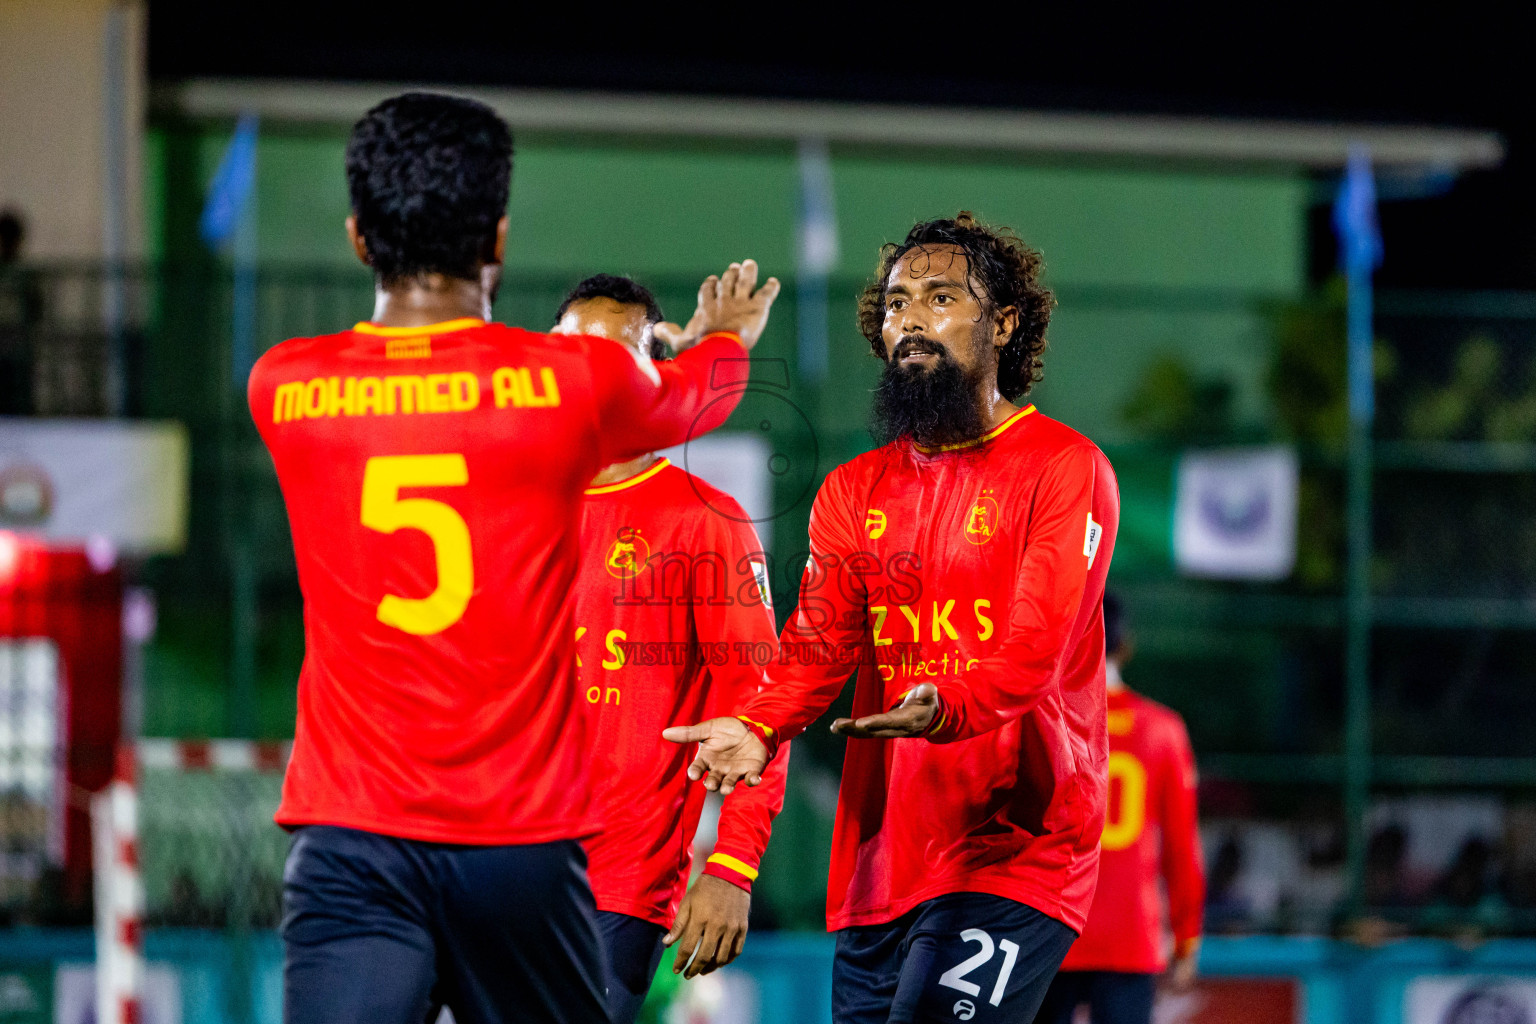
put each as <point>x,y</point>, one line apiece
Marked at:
<point>1257,670</point>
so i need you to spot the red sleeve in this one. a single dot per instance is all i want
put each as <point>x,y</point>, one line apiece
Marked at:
<point>1182,864</point>
<point>1048,591</point>
<point>728,627</point>
<point>688,396</point>
<point>823,642</point>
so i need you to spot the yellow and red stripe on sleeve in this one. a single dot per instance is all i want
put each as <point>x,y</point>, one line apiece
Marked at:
<point>732,869</point>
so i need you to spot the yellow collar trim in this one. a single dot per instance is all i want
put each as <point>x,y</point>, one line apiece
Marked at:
<point>984,438</point>
<point>639,478</point>
<point>463,323</point>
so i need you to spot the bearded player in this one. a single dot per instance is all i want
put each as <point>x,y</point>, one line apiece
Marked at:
<point>960,568</point>
<point>433,465</point>
<point>672,579</point>
<point>1151,835</point>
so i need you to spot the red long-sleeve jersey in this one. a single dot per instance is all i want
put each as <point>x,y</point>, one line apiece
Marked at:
<point>1150,834</point>
<point>433,478</point>
<point>674,624</point>
<point>980,568</point>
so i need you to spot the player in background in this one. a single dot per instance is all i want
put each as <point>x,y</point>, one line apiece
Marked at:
<point>433,465</point>
<point>672,579</point>
<point>1151,835</point>
<point>960,569</point>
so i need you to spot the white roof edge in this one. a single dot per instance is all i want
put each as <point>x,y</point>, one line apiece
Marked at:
<point>1319,145</point>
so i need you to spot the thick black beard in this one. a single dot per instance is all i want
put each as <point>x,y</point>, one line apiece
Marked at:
<point>931,406</point>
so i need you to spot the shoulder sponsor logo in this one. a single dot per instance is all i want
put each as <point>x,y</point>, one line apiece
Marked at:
<point>760,574</point>
<point>1091,537</point>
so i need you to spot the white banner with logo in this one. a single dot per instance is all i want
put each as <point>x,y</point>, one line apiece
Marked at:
<point>77,480</point>
<point>1235,513</point>
<point>1470,999</point>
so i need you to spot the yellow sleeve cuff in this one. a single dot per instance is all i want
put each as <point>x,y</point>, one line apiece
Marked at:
<point>725,860</point>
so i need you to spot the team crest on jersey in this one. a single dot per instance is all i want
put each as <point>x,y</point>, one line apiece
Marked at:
<point>760,574</point>
<point>874,522</point>
<point>1121,721</point>
<point>628,554</point>
<point>983,520</point>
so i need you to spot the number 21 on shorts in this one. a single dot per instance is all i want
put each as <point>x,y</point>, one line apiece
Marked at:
<point>955,977</point>
<point>384,510</point>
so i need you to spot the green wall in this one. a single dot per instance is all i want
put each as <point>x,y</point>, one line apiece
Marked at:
<point>1121,244</point>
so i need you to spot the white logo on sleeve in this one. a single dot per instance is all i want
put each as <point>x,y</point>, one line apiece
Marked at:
<point>1091,539</point>
<point>760,574</point>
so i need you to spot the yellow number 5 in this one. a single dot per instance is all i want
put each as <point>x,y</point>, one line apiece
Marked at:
<point>383,510</point>
<point>1128,815</point>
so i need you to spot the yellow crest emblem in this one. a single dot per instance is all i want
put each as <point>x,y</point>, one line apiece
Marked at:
<point>628,554</point>
<point>983,520</point>
<point>874,522</point>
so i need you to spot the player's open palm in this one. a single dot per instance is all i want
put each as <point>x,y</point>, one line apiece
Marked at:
<point>711,926</point>
<point>728,753</point>
<point>733,302</point>
<point>912,717</point>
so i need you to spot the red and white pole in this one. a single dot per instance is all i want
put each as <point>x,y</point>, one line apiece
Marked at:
<point>119,897</point>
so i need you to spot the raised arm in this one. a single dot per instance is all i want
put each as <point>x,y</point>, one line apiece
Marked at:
<point>643,406</point>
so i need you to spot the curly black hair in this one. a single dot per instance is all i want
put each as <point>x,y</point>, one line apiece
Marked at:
<point>1008,273</point>
<point>429,177</point>
<point>627,292</point>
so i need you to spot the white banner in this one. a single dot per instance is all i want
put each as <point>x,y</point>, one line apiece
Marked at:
<point>1470,999</point>
<point>737,464</point>
<point>75,480</point>
<point>1235,513</point>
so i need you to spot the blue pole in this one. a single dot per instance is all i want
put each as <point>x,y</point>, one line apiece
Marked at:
<point>1360,249</point>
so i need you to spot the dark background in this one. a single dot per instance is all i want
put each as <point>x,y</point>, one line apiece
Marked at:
<point>1452,65</point>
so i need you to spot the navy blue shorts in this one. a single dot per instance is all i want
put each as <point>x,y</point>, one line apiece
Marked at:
<point>1113,997</point>
<point>634,949</point>
<point>958,957</point>
<point>378,930</point>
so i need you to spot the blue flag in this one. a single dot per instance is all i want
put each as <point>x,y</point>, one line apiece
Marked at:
<point>1354,218</point>
<point>1354,215</point>
<point>232,184</point>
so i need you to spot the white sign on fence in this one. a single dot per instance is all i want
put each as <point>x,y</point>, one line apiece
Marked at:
<point>1470,999</point>
<point>1235,513</point>
<point>82,480</point>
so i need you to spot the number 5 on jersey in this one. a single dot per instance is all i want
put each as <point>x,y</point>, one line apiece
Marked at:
<point>384,510</point>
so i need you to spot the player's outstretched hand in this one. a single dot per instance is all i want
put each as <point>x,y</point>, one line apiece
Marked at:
<point>711,926</point>
<point>686,336</point>
<point>911,717</point>
<point>730,302</point>
<point>728,753</point>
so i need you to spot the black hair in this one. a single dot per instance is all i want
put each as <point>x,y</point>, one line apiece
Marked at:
<point>627,292</point>
<point>429,177</point>
<point>1008,272</point>
<point>1115,624</point>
